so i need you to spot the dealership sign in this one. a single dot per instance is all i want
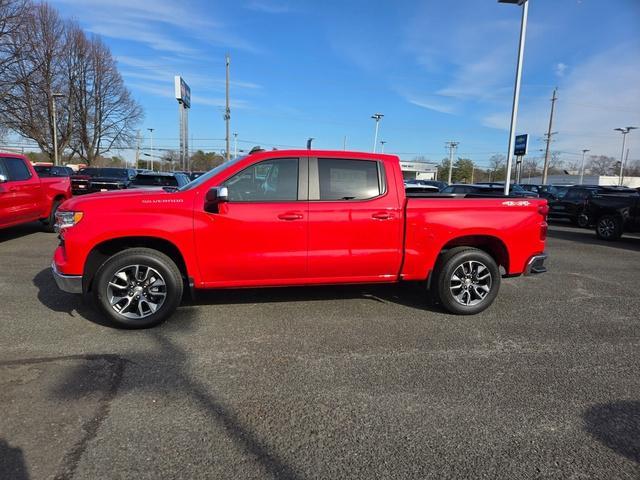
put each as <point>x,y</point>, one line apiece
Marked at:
<point>520,147</point>
<point>183,92</point>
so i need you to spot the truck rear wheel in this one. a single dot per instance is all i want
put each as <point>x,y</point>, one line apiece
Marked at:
<point>467,280</point>
<point>138,288</point>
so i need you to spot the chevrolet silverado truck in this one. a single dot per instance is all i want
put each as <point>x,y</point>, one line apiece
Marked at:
<point>284,218</point>
<point>615,214</point>
<point>93,179</point>
<point>25,196</point>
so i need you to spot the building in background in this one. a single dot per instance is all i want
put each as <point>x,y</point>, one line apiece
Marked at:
<point>419,170</point>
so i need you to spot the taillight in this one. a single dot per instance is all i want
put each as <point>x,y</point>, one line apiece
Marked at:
<point>543,209</point>
<point>543,231</point>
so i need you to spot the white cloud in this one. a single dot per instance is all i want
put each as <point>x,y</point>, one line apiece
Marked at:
<point>594,97</point>
<point>560,69</point>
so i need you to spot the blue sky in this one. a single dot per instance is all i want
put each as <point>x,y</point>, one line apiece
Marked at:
<point>437,70</point>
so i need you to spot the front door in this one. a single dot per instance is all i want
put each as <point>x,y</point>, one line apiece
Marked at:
<point>258,237</point>
<point>20,195</point>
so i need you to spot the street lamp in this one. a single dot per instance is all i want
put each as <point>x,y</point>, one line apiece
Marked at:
<point>151,134</point>
<point>624,132</point>
<point>235,145</point>
<point>382,142</point>
<point>516,88</point>
<point>377,117</point>
<point>55,125</point>
<point>582,166</point>
<point>309,140</point>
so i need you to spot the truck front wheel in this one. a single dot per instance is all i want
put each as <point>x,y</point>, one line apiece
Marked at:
<point>467,280</point>
<point>138,288</point>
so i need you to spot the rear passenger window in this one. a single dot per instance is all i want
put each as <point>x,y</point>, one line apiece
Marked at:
<point>15,169</point>
<point>349,179</point>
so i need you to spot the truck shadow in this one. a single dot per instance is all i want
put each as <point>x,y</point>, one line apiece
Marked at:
<point>140,372</point>
<point>19,231</point>
<point>616,425</point>
<point>12,463</point>
<point>407,295</point>
<point>588,236</point>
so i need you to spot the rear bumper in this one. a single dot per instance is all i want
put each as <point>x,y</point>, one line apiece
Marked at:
<point>67,283</point>
<point>536,264</point>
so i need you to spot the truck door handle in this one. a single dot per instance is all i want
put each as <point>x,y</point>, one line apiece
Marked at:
<point>290,216</point>
<point>382,216</point>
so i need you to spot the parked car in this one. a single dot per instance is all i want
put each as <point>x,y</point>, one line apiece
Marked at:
<point>295,217</point>
<point>25,196</point>
<point>485,189</point>
<point>412,189</point>
<point>53,171</point>
<point>435,183</point>
<point>159,180</point>
<point>94,179</point>
<point>549,192</point>
<point>614,214</point>
<point>573,206</point>
<point>515,189</point>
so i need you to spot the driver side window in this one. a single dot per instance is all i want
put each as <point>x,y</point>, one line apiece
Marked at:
<point>268,181</point>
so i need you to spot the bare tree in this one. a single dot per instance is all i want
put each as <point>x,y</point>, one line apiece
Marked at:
<point>105,114</point>
<point>497,167</point>
<point>38,73</point>
<point>601,164</point>
<point>12,16</point>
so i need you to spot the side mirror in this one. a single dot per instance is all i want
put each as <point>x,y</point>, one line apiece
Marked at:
<point>216,196</point>
<point>3,179</point>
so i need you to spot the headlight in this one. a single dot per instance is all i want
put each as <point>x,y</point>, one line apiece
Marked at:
<point>67,219</point>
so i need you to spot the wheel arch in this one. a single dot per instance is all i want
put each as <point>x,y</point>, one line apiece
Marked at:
<point>102,251</point>
<point>492,245</point>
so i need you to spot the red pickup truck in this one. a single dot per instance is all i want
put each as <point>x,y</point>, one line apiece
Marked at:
<point>26,197</point>
<point>298,217</point>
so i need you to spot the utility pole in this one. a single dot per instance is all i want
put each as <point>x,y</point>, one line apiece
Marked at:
<point>382,142</point>
<point>377,117</point>
<point>582,165</point>
<point>452,146</point>
<point>227,112</point>
<point>545,169</point>
<point>344,143</point>
<point>151,135</point>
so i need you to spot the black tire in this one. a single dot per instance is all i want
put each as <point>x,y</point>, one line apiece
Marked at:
<point>450,263</point>
<point>609,228</point>
<point>583,220</point>
<point>157,265</point>
<point>50,222</point>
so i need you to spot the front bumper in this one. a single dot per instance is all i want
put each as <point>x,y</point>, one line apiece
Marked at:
<point>536,264</point>
<point>67,283</point>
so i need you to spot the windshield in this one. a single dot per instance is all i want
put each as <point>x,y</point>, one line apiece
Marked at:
<point>156,180</point>
<point>104,172</point>
<point>211,173</point>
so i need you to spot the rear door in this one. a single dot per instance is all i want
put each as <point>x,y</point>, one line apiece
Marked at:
<point>355,221</point>
<point>20,195</point>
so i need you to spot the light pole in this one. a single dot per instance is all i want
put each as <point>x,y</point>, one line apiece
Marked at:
<point>516,88</point>
<point>382,142</point>
<point>377,117</point>
<point>624,132</point>
<point>582,165</point>
<point>55,125</point>
<point>235,145</point>
<point>151,135</point>
<point>309,140</point>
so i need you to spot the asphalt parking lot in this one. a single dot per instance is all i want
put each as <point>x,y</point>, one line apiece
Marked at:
<point>353,382</point>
